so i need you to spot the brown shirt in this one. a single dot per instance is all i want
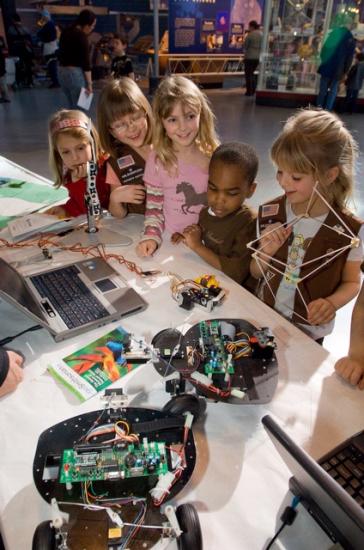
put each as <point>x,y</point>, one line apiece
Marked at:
<point>227,237</point>
<point>129,167</point>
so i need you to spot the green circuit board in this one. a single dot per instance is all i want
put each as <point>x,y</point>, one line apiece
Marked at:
<point>216,359</point>
<point>114,462</point>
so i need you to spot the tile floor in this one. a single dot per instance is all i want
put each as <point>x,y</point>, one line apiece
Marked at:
<point>23,139</point>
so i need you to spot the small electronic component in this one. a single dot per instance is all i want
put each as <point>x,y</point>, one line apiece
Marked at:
<point>217,360</point>
<point>117,462</point>
<point>262,344</point>
<point>204,291</point>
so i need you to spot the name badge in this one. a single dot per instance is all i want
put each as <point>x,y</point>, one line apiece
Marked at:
<point>125,162</point>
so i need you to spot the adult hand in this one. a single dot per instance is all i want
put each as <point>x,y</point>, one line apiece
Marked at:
<point>133,194</point>
<point>15,373</point>
<point>320,311</point>
<point>351,370</point>
<point>79,172</point>
<point>146,248</point>
<point>273,237</point>
<point>192,236</point>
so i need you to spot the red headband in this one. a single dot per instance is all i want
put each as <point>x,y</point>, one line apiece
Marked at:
<point>69,123</point>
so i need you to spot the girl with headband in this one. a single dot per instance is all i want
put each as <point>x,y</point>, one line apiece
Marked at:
<point>71,139</point>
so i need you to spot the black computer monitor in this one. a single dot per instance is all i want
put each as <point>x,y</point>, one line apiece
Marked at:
<point>329,504</point>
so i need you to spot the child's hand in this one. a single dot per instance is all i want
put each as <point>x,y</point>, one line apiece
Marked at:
<point>271,241</point>
<point>133,194</point>
<point>15,373</point>
<point>351,370</point>
<point>177,238</point>
<point>79,172</point>
<point>146,248</point>
<point>320,311</point>
<point>192,236</point>
<point>58,211</point>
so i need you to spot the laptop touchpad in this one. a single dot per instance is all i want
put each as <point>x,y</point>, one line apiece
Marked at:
<point>105,285</point>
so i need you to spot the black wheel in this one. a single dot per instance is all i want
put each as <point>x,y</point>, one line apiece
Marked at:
<point>44,537</point>
<point>183,403</point>
<point>191,538</point>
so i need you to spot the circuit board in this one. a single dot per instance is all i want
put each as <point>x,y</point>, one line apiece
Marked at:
<point>216,359</point>
<point>115,462</point>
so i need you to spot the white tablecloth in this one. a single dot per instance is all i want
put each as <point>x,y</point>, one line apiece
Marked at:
<point>240,483</point>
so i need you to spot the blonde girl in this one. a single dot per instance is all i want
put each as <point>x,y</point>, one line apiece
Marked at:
<point>176,172</point>
<point>310,248</point>
<point>125,123</point>
<point>70,148</point>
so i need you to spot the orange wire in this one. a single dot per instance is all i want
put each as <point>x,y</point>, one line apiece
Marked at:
<point>95,250</point>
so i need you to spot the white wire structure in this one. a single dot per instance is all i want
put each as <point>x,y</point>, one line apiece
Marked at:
<point>288,271</point>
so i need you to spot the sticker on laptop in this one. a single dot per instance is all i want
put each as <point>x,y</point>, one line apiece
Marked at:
<point>125,162</point>
<point>270,210</point>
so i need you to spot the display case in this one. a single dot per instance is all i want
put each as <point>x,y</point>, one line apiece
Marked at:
<point>293,34</point>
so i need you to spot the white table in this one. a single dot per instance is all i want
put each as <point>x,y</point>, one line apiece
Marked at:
<point>240,483</point>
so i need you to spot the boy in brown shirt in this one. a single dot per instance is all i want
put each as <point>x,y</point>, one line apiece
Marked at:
<point>226,225</point>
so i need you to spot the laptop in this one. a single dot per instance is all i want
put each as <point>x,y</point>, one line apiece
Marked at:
<point>71,299</point>
<point>336,510</point>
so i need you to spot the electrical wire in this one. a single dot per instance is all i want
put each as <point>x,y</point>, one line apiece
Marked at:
<point>9,339</point>
<point>288,516</point>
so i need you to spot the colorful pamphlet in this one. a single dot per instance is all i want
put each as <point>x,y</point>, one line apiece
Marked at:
<point>19,197</point>
<point>94,367</point>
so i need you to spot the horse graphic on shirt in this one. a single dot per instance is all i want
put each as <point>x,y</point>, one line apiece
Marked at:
<point>191,197</point>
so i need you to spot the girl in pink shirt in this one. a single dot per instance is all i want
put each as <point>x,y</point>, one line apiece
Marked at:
<point>176,172</point>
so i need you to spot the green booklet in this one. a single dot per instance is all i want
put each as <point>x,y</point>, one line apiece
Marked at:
<point>18,197</point>
<point>94,367</point>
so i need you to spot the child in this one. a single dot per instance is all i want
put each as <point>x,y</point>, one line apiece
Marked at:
<point>121,65</point>
<point>176,172</point>
<point>125,123</point>
<point>70,148</point>
<point>304,264</point>
<point>351,368</point>
<point>354,82</point>
<point>226,225</point>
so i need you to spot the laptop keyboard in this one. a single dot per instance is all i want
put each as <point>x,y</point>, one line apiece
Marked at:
<point>73,301</point>
<point>346,465</point>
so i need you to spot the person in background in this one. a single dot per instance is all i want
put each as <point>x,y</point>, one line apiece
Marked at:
<point>74,71</point>
<point>351,367</point>
<point>306,269</point>
<point>70,149</point>
<point>121,64</point>
<point>226,224</point>
<point>252,47</point>
<point>11,371</point>
<point>20,45</point>
<point>125,123</point>
<point>354,82</point>
<point>47,35</point>
<point>336,56</point>
<point>4,91</point>
<point>176,172</point>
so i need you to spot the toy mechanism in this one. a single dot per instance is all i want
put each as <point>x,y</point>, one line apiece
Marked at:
<point>289,270</point>
<point>223,359</point>
<point>106,475</point>
<point>204,291</point>
<point>96,232</point>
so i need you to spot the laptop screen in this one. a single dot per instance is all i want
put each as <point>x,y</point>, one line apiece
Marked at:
<point>12,284</point>
<point>334,509</point>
